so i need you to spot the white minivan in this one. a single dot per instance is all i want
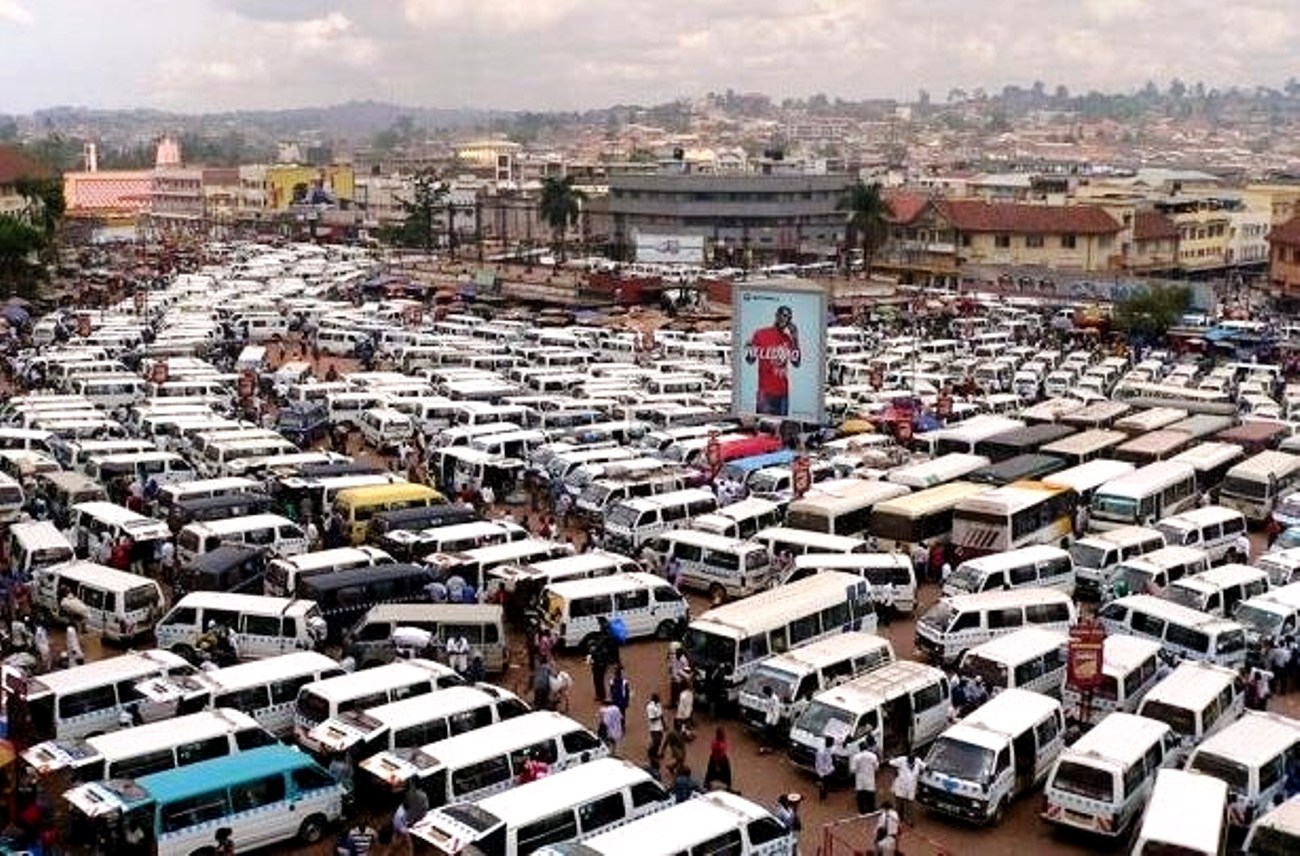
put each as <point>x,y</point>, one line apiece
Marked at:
<point>955,624</point>
<point>1186,815</point>
<point>645,604</point>
<point>279,536</point>
<point>259,626</point>
<point>1214,529</point>
<point>1251,756</point>
<point>1027,567</point>
<point>1197,700</point>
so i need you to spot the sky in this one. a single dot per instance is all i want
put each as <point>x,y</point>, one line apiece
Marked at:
<point>213,55</point>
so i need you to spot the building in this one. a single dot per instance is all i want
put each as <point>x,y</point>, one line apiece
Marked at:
<point>494,159</point>
<point>176,196</point>
<point>221,187</point>
<point>284,185</point>
<point>744,218</point>
<point>1284,260</point>
<point>118,196</point>
<point>1151,245</point>
<point>14,167</point>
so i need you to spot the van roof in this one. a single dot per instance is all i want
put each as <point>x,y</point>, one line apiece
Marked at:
<point>1121,653</point>
<point>1254,739</point>
<point>252,603</point>
<point>39,534</point>
<point>877,686</point>
<point>1001,598</point>
<point>708,540</point>
<point>238,524</point>
<point>678,828</point>
<point>831,649</point>
<point>1177,613</point>
<point>353,684</point>
<point>1018,556</point>
<point>195,726</point>
<point>132,664</point>
<point>1284,817</point>
<point>243,675</point>
<point>504,736</point>
<point>1185,810</point>
<point>1192,684</point>
<point>454,613</point>
<point>430,706</point>
<point>1007,714</point>
<point>608,584</point>
<point>1197,517</point>
<point>557,791</point>
<point>1120,739</point>
<point>100,576</point>
<point>1125,535</point>
<point>1019,645</point>
<point>1167,556</point>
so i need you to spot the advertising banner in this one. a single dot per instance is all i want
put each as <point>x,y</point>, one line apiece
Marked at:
<point>669,249</point>
<point>779,359</point>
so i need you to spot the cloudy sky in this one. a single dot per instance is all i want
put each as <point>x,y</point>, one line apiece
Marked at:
<point>204,55</point>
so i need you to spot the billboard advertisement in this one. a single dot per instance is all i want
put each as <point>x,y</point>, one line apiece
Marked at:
<point>779,350</point>
<point>669,249</point>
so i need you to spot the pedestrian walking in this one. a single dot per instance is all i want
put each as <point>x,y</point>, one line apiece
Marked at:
<point>907,770</point>
<point>864,764</point>
<point>771,720</point>
<point>679,672</point>
<point>620,691</point>
<point>542,685</point>
<point>888,826</point>
<point>719,768</point>
<point>684,714</point>
<point>654,717</point>
<point>72,647</point>
<point>458,653</point>
<point>824,767</point>
<point>676,748</point>
<point>609,726</point>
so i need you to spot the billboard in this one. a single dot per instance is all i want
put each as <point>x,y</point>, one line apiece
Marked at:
<point>778,365</point>
<point>669,249</point>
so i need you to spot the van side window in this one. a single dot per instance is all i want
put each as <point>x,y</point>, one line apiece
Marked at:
<point>1003,762</point>
<point>753,648</point>
<point>252,738</point>
<point>965,621</point>
<point>778,641</point>
<point>728,843</point>
<point>87,701</point>
<point>1234,526</point>
<point>575,742</point>
<point>765,829</point>
<point>261,625</point>
<point>803,629</point>
<point>644,793</point>
<point>662,595</point>
<point>1185,637</point>
<point>484,774</point>
<point>1058,567</point>
<point>602,812</point>
<point>258,793</point>
<point>835,616</point>
<point>1134,776</point>
<point>585,607</point>
<point>193,811</point>
<point>1011,616</point>
<point>1148,625</point>
<point>549,830</point>
<point>687,552</point>
<point>185,616</point>
<point>1024,575</point>
<point>835,672</point>
<point>638,599</point>
<point>1046,731</point>
<point>927,697</point>
<point>1270,773</point>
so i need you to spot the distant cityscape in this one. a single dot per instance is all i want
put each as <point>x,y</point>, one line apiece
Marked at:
<point>1030,183</point>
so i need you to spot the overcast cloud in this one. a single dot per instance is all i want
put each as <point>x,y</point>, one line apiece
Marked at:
<point>205,55</point>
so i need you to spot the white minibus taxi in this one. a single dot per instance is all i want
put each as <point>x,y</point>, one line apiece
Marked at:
<point>1031,658</point>
<point>630,524</point>
<point>731,640</point>
<point>955,624</point>
<point>395,681</point>
<point>797,675</point>
<point>717,564</point>
<point>283,574</point>
<point>902,705</point>
<point>1214,529</point>
<point>787,541</point>
<point>1101,783</point>
<point>562,807</point>
<point>1184,633</point>
<point>1254,486</point>
<point>1277,833</point>
<point>1251,756</point>
<point>1219,590</point>
<point>1130,668</point>
<point>841,506</point>
<point>645,603</point>
<point>1143,496</point>
<point>740,519</point>
<point>94,521</point>
<point>1028,567</point>
<point>257,626</point>
<point>1001,751</point>
<point>1096,556</point>
<point>277,535</point>
<point>120,606</point>
<point>484,761</point>
<point>1151,573</point>
<point>1186,815</point>
<point>35,545</point>
<point>1196,700</point>
<point>718,822</point>
<point>892,578</point>
<point>150,748</point>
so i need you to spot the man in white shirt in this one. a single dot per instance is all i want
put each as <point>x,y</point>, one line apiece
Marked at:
<point>908,769</point>
<point>824,767</point>
<point>864,765</point>
<point>458,654</point>
<point>654,717</point>
<point>887,828</point>
<point>771,720</point>
<point>1242,547</point>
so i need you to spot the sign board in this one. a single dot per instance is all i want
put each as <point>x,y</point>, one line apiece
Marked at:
<point>801,476</point>
<point>669,249</point>
<point>778,365</point>
<point>1085,655</point>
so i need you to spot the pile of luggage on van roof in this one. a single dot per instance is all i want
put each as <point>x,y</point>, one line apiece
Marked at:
<point>305,501</point>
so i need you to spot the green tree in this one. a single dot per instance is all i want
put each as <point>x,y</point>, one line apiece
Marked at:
<point>20,242</point>
<point>868,219</point>
<point>1149,314</point>
<point>560,205</point>
<point>428,196</point>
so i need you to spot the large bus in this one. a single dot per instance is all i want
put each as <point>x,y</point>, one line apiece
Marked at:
<point>1211,460</point>
<point>1020,441</point>
<point>1016,515</point>
<point>731,640</point>
<point>840,506</point>
<point>937,471</point>
<point>922,516</point>
<point>1019,468</point>
<point>1151,447</point>
<point>1143,496</point>
<point>966,435</point>
<point>263,796</point>
<point>1083,447</point>
<point>1255,485</point>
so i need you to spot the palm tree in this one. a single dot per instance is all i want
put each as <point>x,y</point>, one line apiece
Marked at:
<point>868,219</point>
<point>560,206</point>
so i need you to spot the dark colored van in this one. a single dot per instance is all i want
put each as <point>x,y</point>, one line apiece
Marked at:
<point>229,568</point>
<point>345,596</point>
<point>304,424</point>
<point>1019,468</point>
<point>199,509</point>
<point>417,519</point>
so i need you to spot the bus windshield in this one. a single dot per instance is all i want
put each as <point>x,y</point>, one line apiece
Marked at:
<point>960,760</point>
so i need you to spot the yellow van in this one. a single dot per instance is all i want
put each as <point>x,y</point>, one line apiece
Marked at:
<point>358,504</point>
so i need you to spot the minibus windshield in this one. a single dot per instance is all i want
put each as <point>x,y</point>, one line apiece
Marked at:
<point>1086,555</point>
<point>709,650</point>
<point>819,715</point>
<point>1234,773</point>
<point>782,683</point>
<point>960,760</point>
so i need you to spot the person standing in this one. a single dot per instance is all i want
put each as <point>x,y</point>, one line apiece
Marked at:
<point>685,712</point>
<point>864,765</point>
<point>360,839</point>
<point>888,827</point>
<point>620,692</point>
<point>72,647</point>
<point>609,725</point>
<point>654,717</point>
<point>600,657</point>
<point>824,767</point>
<point>679,672</point>
<point>908,769</point>
<point>458,654</point>
<point>771,720</point>
<point>719,768</point>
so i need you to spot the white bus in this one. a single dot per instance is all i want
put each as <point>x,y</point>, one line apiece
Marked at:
<point>1211,460</point>
<point>1085,446</point>
<point>1255,485</point>
<point>1187,814</point>
<point>1020,514</point>
<point>732,639</point>
<point>964,436</point>
<point>924,516</point>
<point>1086,478</point>
<point>1143,496</point>
<point>563,807</point>
<point>937,471</point>
<point>841,506</point>
<point>370,687</point>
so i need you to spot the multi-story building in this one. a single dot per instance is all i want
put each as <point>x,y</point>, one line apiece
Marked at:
<point>14,167</point>
<point>1153,247</point>
<point>1248,238</point>
<point>176,196</point>
<point>744,218</point>
<point>1203,222</point>
<point>1284,260</point>
<point>495,159</point>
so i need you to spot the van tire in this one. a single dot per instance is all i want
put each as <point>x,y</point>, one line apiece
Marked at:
<point>999,814</point>
<point>667,630</point>
<point>312,829</point>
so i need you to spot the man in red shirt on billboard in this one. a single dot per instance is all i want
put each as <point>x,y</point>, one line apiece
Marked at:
<point>775,349</point>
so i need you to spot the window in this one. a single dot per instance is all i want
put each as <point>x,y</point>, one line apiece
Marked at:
<point>549,830</point>
<point>1024,575</point>
<point>185,813</point>
<point>468,720</point>
<point>1147,625</point>
<point>1001,242</point>
<point>1046,731</point>
<point>1134,776</point>
<point>253,738</point>
<point>1034,241</point>
<point>421,734</point>
<point>262,625</point>
<point>225,617</point>
<point>639,599</point>
<point>765,829</point>
<point>803,629</point>
<point>185,617</point>
<point>777,641</point>
<point>87,701</point>
<point>585,607</point>
<point>143,765</point>
<point>1047,613</point>
<point>256,794</point>
<point>286,691</point>
<point>927,697</point>
<point>1270,773</point>
<point>835,616</point>
<point>575,742</point>
<point>400,693</point>
<point>311,779</point>
<point>600,813</point>
<point>251,699</point>
<point>476,777</point>
<point>1001,619</point>
<point>646,793</point>
<point>965,621</point>
<point>753,648</point>
<point>664,594</point>
<point>202,750</point>
<point>1068,242</point>
<point>728,843</point>
<point>687,552</point>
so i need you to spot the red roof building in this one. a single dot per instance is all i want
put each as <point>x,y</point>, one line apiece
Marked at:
<point>1284,258</point>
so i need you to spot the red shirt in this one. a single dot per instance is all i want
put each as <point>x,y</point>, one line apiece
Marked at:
<point>773,350</point>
